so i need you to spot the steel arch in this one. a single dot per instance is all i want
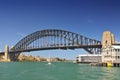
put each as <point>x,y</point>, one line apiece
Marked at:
<point>59,38</point>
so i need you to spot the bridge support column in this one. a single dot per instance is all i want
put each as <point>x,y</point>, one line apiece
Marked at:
<point>6,55</point>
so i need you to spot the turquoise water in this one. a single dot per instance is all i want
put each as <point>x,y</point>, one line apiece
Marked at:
<point>56,71</point>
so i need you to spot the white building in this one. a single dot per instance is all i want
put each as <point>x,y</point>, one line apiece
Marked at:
<point>89,58</point>
<point>111,54</point>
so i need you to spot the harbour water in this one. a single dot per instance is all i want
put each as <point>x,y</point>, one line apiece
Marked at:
<point>56,71</point>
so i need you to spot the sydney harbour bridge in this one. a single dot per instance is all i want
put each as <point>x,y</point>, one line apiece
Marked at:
<point>54,39</point>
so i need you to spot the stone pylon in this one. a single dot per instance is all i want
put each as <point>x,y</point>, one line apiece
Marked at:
<point>107,39</point>
<point>113,38</point>
<point>6,58</point>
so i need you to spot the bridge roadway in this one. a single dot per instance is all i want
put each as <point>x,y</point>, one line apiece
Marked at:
<point>52,48</point>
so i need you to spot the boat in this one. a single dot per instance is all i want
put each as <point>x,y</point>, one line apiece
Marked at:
<point>49,61</point>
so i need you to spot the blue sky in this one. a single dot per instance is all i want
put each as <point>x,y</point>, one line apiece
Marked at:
<point>90,18</point>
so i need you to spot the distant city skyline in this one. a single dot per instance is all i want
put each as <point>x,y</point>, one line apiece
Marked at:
<point>90,18</point>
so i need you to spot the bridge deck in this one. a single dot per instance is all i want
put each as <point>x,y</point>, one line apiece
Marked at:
<point>51,48</point>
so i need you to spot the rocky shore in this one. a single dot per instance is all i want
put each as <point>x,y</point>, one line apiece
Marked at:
<point>23,57</point>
